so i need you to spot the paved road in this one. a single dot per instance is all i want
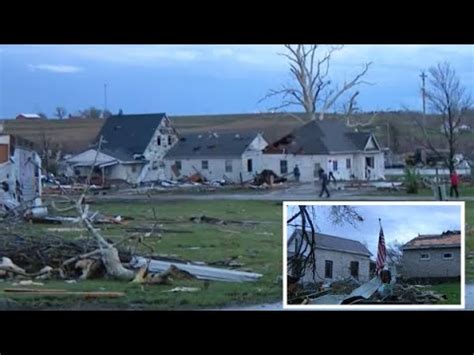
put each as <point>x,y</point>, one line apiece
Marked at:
<point>302,192</point>
<point>278,306</point>
<point>469,296</point>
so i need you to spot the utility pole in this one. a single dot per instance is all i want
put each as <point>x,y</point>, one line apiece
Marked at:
<point>105,98</point>
<point>423,77</point>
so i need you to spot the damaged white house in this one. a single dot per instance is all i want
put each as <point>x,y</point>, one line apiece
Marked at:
<point>329,145</point>
<point>133,147</point>
<point>216,156</point>
<point>20,173</point>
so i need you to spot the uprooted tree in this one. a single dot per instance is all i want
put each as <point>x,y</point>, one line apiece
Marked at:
<point>448,100</point>
<point>312,88</point>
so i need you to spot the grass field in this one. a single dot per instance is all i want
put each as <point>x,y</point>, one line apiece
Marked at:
<point>469,240</point>
<point>452,290</point>
<point>257,246</point>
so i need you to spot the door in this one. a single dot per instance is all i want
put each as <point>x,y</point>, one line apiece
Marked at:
<point>369,167</point>
<point>249,165</point>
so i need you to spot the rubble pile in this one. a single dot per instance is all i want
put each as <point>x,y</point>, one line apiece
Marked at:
<point>34,253</point>
<point>344,286</point>
<point>416,294</point>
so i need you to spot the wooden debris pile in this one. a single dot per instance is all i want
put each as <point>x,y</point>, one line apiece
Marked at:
<point>416,294</point>
<point>53,254</point>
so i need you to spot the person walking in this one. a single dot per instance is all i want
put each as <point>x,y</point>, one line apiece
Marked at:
<point>454,184</point>
<point>296,172</point>
<point>324,183</point>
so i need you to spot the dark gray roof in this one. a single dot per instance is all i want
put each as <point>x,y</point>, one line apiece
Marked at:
<point>330,242</point>
<point>126,135</point>
<point>321,137</point>
<point>211,145</point>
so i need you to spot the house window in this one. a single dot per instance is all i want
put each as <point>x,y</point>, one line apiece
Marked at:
<point>77,172</point>
<point>158,140</point>
<point>228,166</point>
<point>334,165</point>
<point>425,256</point>
<point>134,168</point>
<point>204,165</point>
<point>447,256</point>
<point>283,166</point>
<point>348,163</point>
<point>170,140</point>
<point>355,269</point>
<point>249,165</point>
<point>154,165</point>
<point>328,269</point>
<point>177,163</point>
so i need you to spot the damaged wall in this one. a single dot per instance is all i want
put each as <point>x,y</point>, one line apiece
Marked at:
<point>231,168</point>
<point>341,266</point>
<point>20,175</point>
<point>432,262</point>
<point>338,164</point>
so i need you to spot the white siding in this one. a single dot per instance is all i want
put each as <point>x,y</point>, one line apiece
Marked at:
<point>215,171</point>
<point>216,166</point>
<point>155,153</point>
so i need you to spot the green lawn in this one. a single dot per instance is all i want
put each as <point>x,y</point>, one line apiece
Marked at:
<point>452,290</point>
<point>469,240</point>
<point>257,246</point>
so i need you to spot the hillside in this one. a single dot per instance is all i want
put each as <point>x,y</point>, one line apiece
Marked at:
<point>394,129</point>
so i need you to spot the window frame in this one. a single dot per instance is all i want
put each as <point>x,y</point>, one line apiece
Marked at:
<point>328,270</point>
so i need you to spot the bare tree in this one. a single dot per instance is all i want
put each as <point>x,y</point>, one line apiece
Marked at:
<point>447,98</point>
<point>350,108</point>
<point>91,112</point>
<point>395,252</point>
<point>304,255</point>
<point>60,112</point>
<point>312,89</point>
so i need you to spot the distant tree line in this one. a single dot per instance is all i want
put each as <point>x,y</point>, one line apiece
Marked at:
<point>91,112</point>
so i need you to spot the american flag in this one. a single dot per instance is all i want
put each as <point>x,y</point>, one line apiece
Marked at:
<point>381,253</point>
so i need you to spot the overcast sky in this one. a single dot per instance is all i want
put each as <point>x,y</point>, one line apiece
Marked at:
<point>400,223</point>
<point>201,79</point>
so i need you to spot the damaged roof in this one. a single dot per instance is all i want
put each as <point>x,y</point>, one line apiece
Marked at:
<point>330,242</point>
<point>211,145</point>
<point>321,137</point>
<point>126,135</point>
<point>447,239</point>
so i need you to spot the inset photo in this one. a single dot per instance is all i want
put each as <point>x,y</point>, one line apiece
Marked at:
<point>373,255</point>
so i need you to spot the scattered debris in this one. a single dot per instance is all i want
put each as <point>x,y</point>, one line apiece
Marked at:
<point>156,230</point>
<point>230,262</point>
<point>268,177</point>
<point>50,292</point>
<point>27,283</point>
<point>205,219</point>
<point>33,253</point>
<point>374,292</point>
<point>200,272</point>
<point>218,221</point>
<point>183,289</point>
